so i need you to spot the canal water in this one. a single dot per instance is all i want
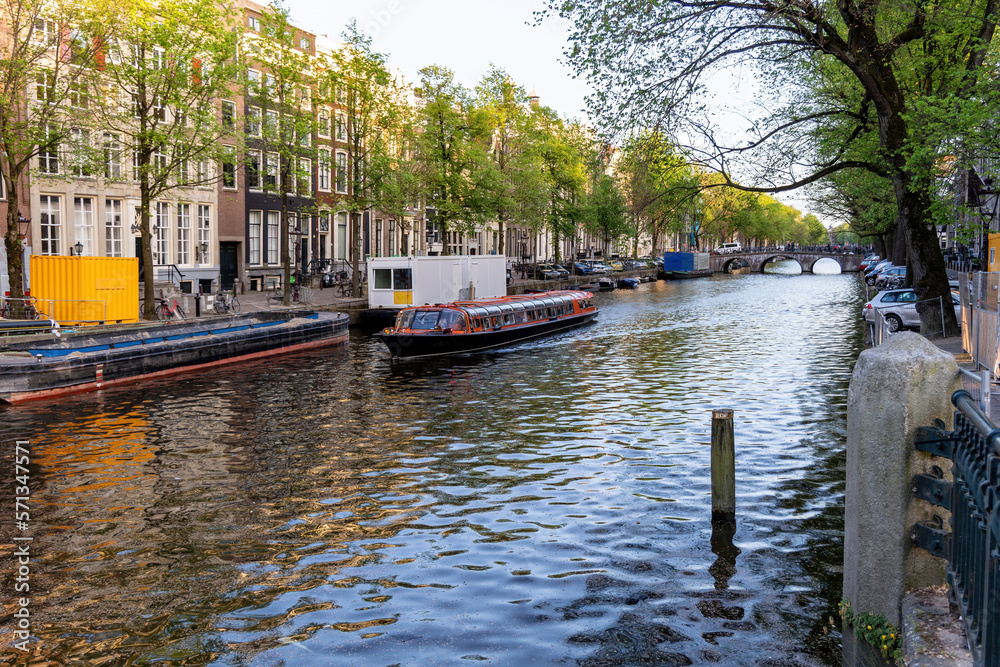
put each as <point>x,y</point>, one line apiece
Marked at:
<point>543,504</point>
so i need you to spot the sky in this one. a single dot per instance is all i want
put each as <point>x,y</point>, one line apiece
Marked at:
<point>463,35</point>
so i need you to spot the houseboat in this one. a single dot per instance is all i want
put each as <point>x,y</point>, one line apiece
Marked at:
<point>48,366</point>
<point>471,326</point>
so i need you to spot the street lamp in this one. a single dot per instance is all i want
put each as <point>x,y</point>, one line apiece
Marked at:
<point>78,247</point>
<point>23,226</point>
<point>203,248</point>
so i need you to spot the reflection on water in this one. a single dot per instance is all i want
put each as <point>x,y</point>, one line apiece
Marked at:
<point>545,503</point>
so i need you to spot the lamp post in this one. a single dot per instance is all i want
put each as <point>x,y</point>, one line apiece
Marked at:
<point>23,226</point>
<point>202,251</point>
<point>78,247</point>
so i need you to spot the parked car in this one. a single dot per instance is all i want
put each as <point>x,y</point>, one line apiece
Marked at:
<point>544,272</point>
<point>582,269</point>
<point>899,308</point>
<point>870,260</point>
<point>561,273</point>
<point>873,275</point>
<point>597,267</point>
<point>616,265</point>
<point>728,248</point>
<point>882,279</point>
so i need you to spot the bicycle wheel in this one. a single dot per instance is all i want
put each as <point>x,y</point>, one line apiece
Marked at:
<point>180,312</point>
<point>162,313</point>
<point>234,305</point>
<point>305,295</point>
<point>220,306</point>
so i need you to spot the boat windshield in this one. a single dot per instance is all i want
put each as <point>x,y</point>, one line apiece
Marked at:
<point>452,319</point>
<point>424,320</point>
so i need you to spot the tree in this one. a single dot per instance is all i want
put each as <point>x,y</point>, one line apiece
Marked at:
<point>48,49</point>
<point>451,152</point>
<point>916,66</point>
<point>156,91</point>
<point>562,148</point>
<point>372,112</point>
<point>288,121</point>
<point>517,190</point>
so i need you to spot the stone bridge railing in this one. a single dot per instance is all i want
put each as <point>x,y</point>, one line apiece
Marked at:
<point>758,260</point>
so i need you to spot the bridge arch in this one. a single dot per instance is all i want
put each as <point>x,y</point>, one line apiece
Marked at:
<point>849,263</point>
<point>773,259</point>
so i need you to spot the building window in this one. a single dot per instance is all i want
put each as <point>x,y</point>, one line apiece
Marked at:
<point>253,121</point>
<point>83,220</point>
<point>342,172</point>
<point>305,137</point>
<point>205,232</point>
<point>48,152</point>
<point>229,169</point>
<point>3,189</point>
<point>112,159</point>
<point>341,128</point>
<point>304,44</point>
<point>159,160</point>
<point>79,98</point>
<point>183,233</point>
<point>253,241</point>
<point>113,227</point>
<point>324,170</point>
<point>323,128</point>
<point>228,115</point>
<point>254,23</point>
<point>305,179</point>
<point>378,237</point>
<point>45,87</point>
<point>254,175</point>
<point>51,224</point>
<point>159,109</point>
<point>342,235</point>
<point>273,223</point>
<point>271,179</point>
<point>392,238</point>
<point>45,32</point>
<point>161,233</point>
<point>271,124</point>
<point>81,153</point>
<point>183,172</point>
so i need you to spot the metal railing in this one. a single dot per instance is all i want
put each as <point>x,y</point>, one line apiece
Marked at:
<point>880,329</point>
<point>972,548</point>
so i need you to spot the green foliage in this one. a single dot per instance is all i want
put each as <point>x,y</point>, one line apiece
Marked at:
<point>874,630</point>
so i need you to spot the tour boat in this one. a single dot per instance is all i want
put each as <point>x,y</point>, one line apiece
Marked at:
<point>65,362</point>
<point>470,326</point>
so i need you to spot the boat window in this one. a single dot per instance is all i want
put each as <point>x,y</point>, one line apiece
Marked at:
<point>508,318</point>
<point>496,321</point>
<point>452,319</point>
<point>404,319</point>
<point>520,317</point>
<point>402,279</point>
<point>425,320</point>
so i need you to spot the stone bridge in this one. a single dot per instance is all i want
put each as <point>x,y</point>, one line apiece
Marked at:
<point>759,259</point>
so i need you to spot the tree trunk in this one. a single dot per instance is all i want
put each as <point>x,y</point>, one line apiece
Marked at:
<point>358,220</point>
<point>12,243</point>
<point>145,241</point>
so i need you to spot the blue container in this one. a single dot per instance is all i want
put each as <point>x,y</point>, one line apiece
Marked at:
<point>678,261</point>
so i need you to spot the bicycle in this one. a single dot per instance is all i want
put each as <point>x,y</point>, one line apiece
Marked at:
<point>27,309</point>
<point>297,294</point>
<point>226,302</point>
<point>164,312</point>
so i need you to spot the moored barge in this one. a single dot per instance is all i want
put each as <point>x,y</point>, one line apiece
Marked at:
<point>471,326</point>
<point>38,367</point>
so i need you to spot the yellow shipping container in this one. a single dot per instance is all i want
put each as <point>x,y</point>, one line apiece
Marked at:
<point>86,290</point>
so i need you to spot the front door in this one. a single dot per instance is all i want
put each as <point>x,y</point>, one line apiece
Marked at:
<point>228,264</point>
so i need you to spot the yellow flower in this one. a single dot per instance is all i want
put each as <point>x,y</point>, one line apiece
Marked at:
<point>869,627</point>
<point>883,637</point>
<point>892,636</point>
<point>884,647</point>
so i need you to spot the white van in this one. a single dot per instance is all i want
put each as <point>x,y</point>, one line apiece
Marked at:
<point>728,248</point>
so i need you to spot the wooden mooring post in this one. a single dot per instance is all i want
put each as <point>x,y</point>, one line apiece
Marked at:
<point>723,467</point>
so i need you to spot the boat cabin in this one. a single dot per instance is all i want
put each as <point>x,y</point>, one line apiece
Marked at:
<point>494,314</point>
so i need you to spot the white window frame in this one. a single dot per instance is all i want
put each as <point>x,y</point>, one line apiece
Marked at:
<point>229,160</point>
<point>81,167</point>
<point>183,233</point>
<point>272,172</point>
<point>255,177</point>
<point>48,160</point>
<point>113,227</point>
<point>340,129</point>
<point>255,224</point>
<point>253,121</point>
<point>205,232</point>
<point>304,182</point>
<point>161,233</point>
<point>253,23</point>
<point>228,111</point>
<point>50,223</point>
<point>323,121</point>
<point>83,224</point>
<point>112,157</point>
<point>325,163</point>
<point>341,173</point>
<point>273,233</point>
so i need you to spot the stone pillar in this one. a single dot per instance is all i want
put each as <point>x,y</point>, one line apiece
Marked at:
<point>896,388</point>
